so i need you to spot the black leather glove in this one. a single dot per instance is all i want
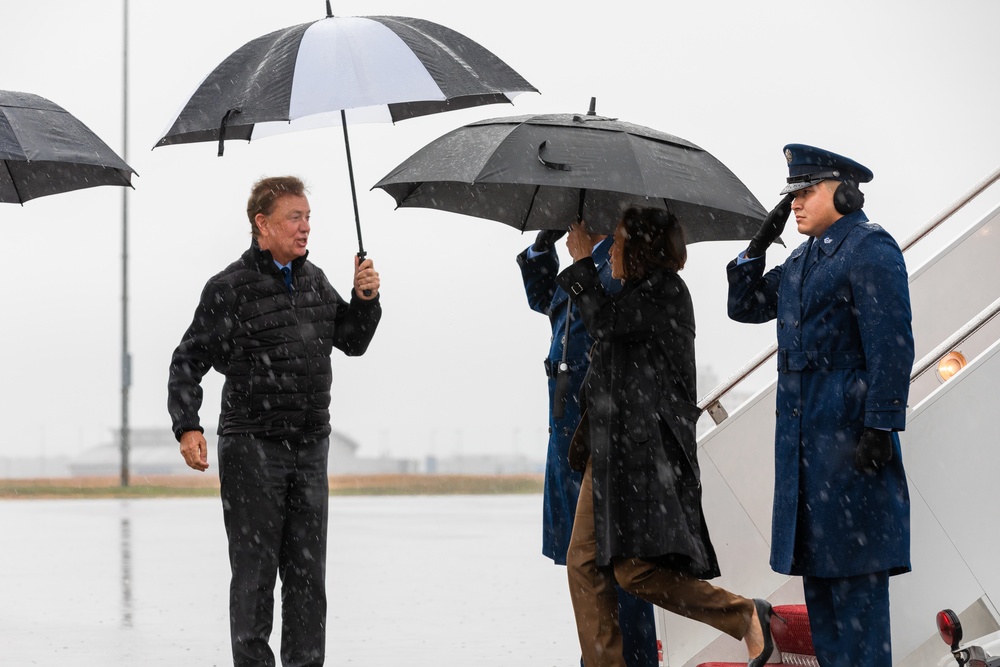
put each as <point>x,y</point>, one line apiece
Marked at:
<point>771,228</point>
<point>874,450</point>
<point>546,239</point>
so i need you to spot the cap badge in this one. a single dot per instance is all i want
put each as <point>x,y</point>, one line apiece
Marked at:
<point>788,155</point>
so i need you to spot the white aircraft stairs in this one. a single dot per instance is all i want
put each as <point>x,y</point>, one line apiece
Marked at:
<point>951,451</point>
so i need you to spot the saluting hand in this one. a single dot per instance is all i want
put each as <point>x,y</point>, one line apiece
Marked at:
<point>366,280</point>
<point>771,228</point>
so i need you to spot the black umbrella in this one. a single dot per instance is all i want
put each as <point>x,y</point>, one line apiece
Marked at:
<point>45,150</point>
<point>377,67</point>
<point>543,172</point>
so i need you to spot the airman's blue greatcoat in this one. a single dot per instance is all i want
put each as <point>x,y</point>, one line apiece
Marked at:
<point>845,352</point>
<point>562,484</point>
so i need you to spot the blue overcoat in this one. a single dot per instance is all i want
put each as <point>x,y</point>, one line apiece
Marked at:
<point>845,353</point>
<point>562,484</point>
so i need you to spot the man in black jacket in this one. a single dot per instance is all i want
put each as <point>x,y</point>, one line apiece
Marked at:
<point>269,323</point>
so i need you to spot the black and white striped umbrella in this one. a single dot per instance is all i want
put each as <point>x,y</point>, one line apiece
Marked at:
<point>339,70</point>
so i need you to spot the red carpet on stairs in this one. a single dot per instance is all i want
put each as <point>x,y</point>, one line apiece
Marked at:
<point>792,637</point>
<point>790,629</point>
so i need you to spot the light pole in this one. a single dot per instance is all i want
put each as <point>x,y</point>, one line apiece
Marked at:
<point>126,358</point>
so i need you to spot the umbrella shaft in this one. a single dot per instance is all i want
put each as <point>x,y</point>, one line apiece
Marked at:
<point>354,194</point>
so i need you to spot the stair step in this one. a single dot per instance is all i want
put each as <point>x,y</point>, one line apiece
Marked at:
<point>787,660</point>
<point>792,637</point>
<point>790,629</point>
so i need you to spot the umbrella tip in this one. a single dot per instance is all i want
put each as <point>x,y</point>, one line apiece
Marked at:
<point>329,10</point>
<point>593,107</point>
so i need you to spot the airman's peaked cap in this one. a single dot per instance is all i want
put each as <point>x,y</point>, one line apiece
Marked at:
<point>808,165</point>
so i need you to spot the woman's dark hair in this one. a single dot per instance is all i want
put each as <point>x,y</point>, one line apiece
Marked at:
<point>653,240</point>
<point>268,190</point>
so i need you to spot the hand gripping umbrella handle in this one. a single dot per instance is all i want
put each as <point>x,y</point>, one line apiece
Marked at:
<point>361,257</point>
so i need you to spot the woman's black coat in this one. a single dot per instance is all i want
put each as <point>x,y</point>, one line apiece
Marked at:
<point>640,420</point>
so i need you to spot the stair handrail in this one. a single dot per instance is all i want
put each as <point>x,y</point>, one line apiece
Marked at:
<point>958,205</point>
<point>712,402</point>
<point>931,359</point>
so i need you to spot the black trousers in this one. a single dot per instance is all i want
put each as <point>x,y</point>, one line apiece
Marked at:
<point>849,619</point>
<point>275,503</point>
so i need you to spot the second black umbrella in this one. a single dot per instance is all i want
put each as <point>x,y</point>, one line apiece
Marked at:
<point>544,172</point>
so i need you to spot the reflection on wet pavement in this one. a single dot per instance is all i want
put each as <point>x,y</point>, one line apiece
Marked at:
<point>126,547</point>
<point>411,581</point>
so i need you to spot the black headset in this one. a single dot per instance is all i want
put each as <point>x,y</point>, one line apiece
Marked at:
<point>847,198</point>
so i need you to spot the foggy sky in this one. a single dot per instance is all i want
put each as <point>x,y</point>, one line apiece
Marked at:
<point>906,88</point>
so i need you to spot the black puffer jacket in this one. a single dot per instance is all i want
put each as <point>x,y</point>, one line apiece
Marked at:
<point>272,346</point>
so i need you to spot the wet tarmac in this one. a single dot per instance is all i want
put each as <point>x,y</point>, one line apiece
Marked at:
<point>411,581</point>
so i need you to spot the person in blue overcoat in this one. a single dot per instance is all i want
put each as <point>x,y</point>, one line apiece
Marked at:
<point>845,353</point>
<point>570,348</point>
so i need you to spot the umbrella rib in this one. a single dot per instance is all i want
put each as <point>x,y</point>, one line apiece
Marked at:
<point>531,205</point>
<point>13,183</point>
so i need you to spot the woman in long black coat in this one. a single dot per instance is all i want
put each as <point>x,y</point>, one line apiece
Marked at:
<point>639,518</point>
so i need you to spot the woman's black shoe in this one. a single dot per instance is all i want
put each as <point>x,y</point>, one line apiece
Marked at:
<point>764,612</point>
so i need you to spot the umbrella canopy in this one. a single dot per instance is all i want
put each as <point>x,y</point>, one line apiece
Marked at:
<point>45,150</point>
<point>379,68</point>
<point>311,75</point>
<point>544,172</point>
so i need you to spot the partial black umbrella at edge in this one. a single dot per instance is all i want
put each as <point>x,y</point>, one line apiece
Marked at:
<point>342,69</point>
<point>547,171</point>
<point>45,150</point>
